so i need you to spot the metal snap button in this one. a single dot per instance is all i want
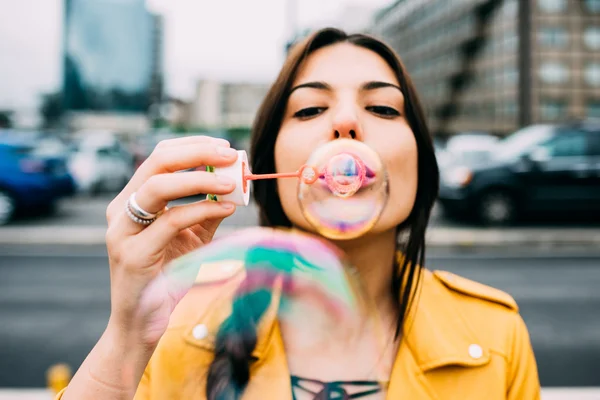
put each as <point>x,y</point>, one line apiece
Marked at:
<point>200,331</point>
<point>475,351</point>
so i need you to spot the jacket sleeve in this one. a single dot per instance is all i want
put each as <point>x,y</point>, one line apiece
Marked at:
<point>523,381</point>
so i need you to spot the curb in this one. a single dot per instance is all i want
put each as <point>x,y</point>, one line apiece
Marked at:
<point>514,237</point>
<point>436,237</point>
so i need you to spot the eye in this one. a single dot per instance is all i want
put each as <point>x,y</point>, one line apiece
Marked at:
<point>309,112</point>
<point>384,111</point>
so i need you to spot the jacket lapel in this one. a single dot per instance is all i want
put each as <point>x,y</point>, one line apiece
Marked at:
<point>270,375</point>
<point>436,335</point>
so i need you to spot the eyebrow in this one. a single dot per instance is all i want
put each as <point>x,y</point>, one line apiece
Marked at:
<point>367,86</point>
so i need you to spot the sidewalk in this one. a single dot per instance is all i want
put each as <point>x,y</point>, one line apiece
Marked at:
<point>547,394</point>
<point>436,236</point>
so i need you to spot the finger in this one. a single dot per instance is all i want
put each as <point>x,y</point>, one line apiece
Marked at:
<point>172,159</point>
<point>162,231</point>
<point>172,220</point>
<point>179,158</point>
<point>189,140</point>
<point>159,190</point>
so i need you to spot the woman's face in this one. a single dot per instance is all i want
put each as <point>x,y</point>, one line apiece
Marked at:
<point>344,98</point>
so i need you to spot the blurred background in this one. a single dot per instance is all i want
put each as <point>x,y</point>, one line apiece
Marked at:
<point>88,88</point>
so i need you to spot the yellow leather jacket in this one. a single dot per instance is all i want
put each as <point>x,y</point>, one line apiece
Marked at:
<point>467,342</point>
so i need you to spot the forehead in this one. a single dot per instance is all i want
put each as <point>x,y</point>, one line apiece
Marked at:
<point>345,64</point>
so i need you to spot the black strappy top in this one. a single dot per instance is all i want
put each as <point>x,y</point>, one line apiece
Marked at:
<point>335,390</point>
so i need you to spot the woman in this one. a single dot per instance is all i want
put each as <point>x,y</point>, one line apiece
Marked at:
<point>451,338</point>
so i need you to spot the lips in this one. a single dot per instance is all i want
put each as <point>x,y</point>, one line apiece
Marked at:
<point>370,177</point>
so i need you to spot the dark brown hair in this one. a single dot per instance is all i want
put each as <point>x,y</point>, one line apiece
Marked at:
<point>229,372</point>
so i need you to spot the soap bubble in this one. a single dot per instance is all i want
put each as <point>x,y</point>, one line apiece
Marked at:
<point>320,304</point>
<point>350,192</point>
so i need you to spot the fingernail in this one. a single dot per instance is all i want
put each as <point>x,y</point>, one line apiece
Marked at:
<point>227,206</point>
<point>224,180</point>
<point>226,152</point>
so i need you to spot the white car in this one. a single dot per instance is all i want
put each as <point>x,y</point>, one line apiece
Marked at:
<point>469,147</point>
<point>100,165</point>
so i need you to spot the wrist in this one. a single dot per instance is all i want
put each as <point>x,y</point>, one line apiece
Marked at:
<point>120,356</point>
<point>124,338</point>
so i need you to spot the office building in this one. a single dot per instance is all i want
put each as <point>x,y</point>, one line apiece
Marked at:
<point>497,65</point>
<point>226,105</point>
<point>113,56</point>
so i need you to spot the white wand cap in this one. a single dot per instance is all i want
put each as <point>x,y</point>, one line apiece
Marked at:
<point>241,194</point>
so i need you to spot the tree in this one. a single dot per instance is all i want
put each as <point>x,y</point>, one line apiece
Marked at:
<point>5,120</point>
<point>52,109</point>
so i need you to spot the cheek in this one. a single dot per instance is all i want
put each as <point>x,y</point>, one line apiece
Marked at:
<point>290,155</point>
<point>401,159</point>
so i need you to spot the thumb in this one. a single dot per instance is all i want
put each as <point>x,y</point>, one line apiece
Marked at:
<point>206,230</point>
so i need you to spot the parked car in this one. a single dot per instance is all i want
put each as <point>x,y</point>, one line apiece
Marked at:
<point>143,145</point>
<point>100,164</point>
<point>441,155</point>
<point>32,178</point>
<point>469,147</point>
<point>538,169</point>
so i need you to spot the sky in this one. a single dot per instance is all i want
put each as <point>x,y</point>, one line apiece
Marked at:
<point>240,40</point>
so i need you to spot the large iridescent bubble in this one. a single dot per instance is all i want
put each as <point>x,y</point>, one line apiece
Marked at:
<point>349,193</point>
<point>319,300</point>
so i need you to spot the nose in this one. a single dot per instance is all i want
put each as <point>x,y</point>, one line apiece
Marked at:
<point>346,124</point>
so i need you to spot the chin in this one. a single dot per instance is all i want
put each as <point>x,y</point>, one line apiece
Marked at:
<point>381,228</point>
<point>387,222</point>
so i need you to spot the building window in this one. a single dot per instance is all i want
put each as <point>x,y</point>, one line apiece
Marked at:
<point>592,74</point>
<point>510,8</point>
<point>552,109</point>
<point>511,42</point>
<point>553,72</point>
<point>553,37</point>
<point>591,37</point>
<point>592,109</point>
<point>553,5</point>
<point>511,75</point>
<point>593,5</point>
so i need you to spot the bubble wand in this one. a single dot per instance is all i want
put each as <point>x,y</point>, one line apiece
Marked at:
<point>342,187</point>
<point>308,174</point>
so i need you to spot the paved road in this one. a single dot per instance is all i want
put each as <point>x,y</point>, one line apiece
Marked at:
<point>54,303</point>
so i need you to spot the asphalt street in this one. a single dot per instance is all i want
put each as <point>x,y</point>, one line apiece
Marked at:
<point>54,304</point>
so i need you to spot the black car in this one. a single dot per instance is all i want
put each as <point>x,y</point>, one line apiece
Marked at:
<point>538,169</point>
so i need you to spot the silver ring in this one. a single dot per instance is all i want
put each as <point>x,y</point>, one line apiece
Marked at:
<point>139,211</point>
<point>136,219</point>
<point>137,214</point>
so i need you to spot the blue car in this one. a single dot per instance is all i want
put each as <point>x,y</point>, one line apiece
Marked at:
<point>30,181</point>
